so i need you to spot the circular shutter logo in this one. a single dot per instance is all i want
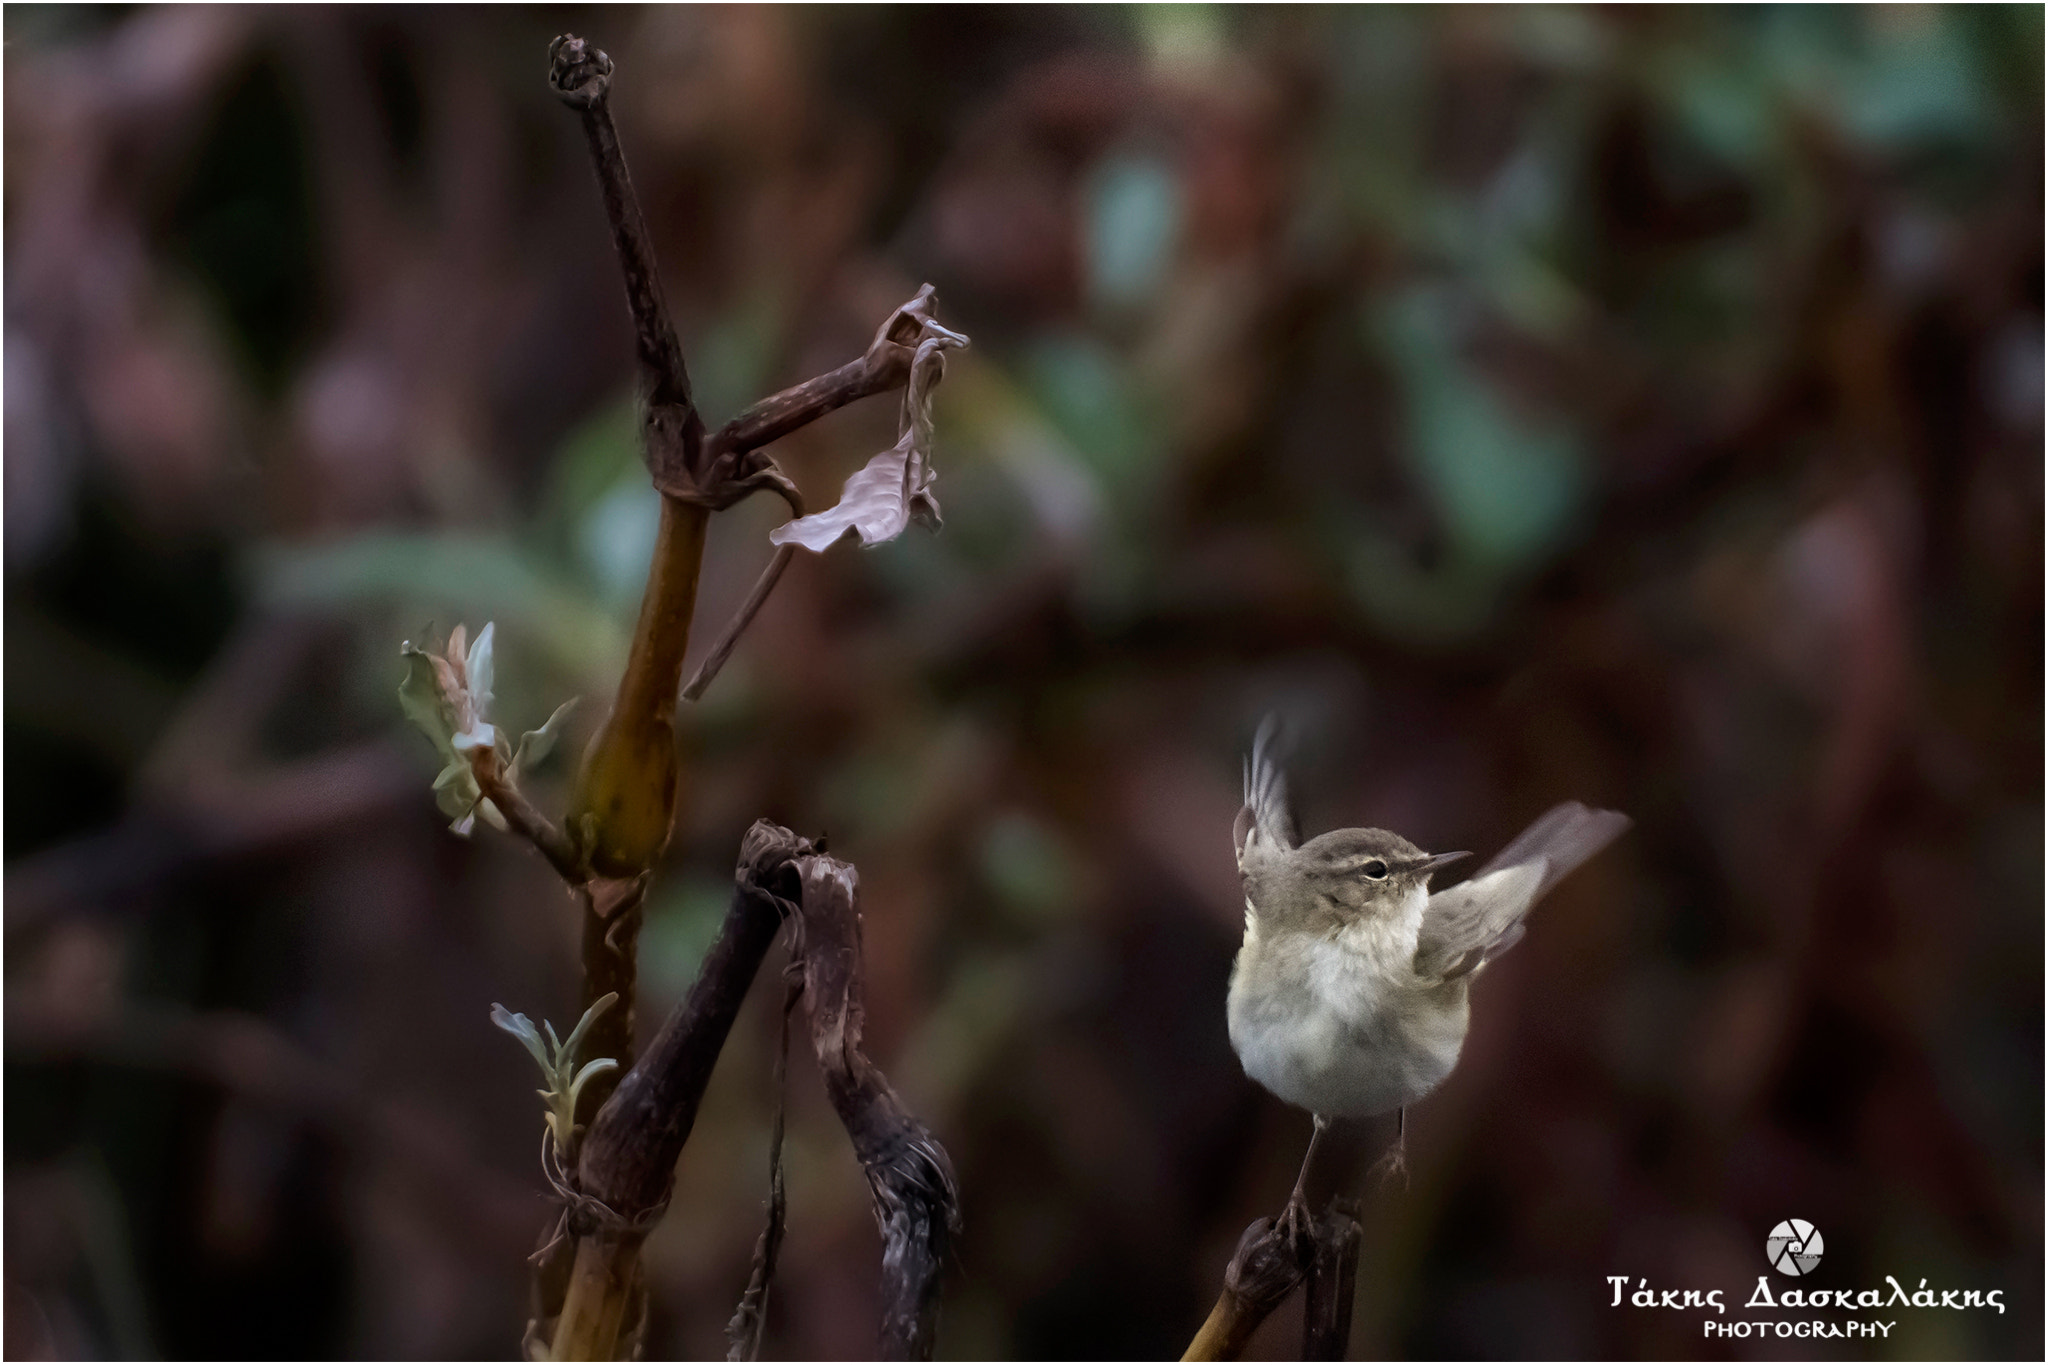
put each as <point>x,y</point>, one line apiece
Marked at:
<point>1794,1247</point>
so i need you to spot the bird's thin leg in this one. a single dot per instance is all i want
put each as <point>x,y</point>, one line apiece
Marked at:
<point>1394,1162</point>
<point>1295,1218</point>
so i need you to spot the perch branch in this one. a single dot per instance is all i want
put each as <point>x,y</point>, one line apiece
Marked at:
<point>1261,1275</point>
<point>1332,1283</point>
<point>1267,1266</point>
<point>910,1177</point>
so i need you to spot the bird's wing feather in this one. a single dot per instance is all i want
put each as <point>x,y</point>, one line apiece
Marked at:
<point>1467,923</point>
<point>1266,815</point>
<point>1472,923</point>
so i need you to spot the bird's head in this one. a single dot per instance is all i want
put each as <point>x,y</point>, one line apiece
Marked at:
<point>1366,871</point>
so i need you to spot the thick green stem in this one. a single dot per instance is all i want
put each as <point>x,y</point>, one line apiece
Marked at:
<point>600,1292</point>
<point>625,797</point>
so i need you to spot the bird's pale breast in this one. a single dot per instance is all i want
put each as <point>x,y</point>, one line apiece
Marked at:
<point>1339,1025</point>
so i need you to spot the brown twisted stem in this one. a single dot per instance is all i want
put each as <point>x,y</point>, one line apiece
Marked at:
<point>916,1202</point>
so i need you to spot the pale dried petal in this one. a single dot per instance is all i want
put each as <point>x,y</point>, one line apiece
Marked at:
<point>480,668</point>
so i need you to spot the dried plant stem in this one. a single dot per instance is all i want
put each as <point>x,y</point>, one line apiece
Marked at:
<point>631,1148</point>
<point>623,811</point>
<point>916,1202</point>
<point>582,75</point>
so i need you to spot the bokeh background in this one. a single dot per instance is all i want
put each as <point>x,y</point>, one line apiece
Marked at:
<point>1636,406</point>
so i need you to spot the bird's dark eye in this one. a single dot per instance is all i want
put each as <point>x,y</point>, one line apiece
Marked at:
<point>1375,869</point>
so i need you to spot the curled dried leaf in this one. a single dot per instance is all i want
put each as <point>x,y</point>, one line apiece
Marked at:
<point>895,487</point>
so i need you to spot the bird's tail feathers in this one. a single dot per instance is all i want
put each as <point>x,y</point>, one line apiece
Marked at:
<point>1267,813</point>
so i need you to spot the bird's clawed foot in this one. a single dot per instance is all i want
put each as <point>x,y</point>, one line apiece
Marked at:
<point>1297,1226</point>
<point>1393,1163</point>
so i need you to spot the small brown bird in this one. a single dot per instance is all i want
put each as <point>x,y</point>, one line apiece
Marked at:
<point>1349,997</point>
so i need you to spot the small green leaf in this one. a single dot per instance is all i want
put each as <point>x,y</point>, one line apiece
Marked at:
<point>595,1066</point>
<point>521,1027</point>
<point>597,1007</point>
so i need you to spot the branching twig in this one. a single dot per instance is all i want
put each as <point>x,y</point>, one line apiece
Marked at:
<point>529,824</point>
<point>884,366</point>
<point>741,619</point>
<point>909,1174</point>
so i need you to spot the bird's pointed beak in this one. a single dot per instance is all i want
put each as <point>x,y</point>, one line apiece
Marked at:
<point>1437,860</point>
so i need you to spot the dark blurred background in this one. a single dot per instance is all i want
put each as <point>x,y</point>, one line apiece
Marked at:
<point>1637,406</point>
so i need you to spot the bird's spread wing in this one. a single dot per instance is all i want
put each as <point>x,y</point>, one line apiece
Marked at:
<point>1266,816</point>
<point>1474,922</point>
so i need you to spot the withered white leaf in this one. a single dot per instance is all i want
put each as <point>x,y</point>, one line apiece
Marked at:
<point>894,487</point>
